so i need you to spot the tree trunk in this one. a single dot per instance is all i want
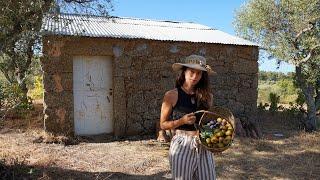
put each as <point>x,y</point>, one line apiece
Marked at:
<point>308,92</point>
<point>20,76</point>
<point>24,89</point>
<point>239,128</point>
<point>251,129</point>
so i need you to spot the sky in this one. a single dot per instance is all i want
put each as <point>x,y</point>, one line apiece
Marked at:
<point>217,14</point>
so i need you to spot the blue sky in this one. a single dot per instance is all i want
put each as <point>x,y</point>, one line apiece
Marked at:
<point>214,13</point>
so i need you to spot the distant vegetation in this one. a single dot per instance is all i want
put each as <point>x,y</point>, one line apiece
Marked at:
<point>279,84</point>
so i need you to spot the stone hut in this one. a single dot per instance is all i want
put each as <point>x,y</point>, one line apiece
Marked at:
<point>109,75</point>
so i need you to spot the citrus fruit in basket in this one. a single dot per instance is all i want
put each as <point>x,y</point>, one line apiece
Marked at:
<point>216,133</point>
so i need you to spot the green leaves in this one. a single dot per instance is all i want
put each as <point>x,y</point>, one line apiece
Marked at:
<point>206,134</point>
<point>276,24</point>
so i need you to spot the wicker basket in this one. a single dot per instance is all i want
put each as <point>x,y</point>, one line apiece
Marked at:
<point>213,114</point>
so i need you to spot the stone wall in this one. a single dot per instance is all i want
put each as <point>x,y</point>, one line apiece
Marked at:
<point>142,74</point>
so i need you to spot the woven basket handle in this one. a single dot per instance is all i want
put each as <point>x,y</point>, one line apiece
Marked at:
<point>200,111</point>
<point>197,125</point>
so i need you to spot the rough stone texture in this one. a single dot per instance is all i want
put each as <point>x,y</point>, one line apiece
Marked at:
<point>141,75</point>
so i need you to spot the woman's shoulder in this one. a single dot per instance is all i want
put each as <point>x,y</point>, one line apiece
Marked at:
<point>171,96</point>
<point>172,93</point>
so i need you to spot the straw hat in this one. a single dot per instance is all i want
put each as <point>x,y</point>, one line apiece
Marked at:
<point>194,62</point>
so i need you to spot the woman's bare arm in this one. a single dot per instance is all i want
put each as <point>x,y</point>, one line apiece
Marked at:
<point>169,100</point>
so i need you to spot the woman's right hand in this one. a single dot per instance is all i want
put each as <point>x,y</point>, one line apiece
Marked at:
<point>189,118</point>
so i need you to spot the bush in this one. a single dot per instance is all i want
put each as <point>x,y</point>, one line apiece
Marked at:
<point>278,83</point>
<point>11,100</point>
<point>36,90</point>
<point>274,101</point>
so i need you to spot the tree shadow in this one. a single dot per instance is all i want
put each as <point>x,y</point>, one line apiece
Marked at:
<point>260,162</point>
<point>281,123</point>
<point>106,138</point>
<point>22,171</point>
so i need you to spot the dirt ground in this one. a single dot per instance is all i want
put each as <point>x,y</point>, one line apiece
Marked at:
<point>282,153</point>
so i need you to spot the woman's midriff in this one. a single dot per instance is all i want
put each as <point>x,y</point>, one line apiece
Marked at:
<point>189,133</point>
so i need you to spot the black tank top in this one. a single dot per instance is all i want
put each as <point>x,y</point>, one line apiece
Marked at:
<point>186,104</point>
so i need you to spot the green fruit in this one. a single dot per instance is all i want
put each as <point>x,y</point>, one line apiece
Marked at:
<point>229,132</point>
<point>216,130</point>
<point>228,137</point>
<point>214,139</point>
<point>208,140</point>
<point>220,145</point>
<point>221,139</point>
<point>219,134</point>
<point>226,141</point>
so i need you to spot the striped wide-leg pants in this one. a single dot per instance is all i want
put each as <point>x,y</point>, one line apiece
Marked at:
<point>188,161</point>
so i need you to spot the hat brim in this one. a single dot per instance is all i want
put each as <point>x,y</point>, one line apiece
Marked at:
<point>178,66</point>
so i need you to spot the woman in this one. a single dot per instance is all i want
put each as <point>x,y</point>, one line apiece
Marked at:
<point>188,160</point>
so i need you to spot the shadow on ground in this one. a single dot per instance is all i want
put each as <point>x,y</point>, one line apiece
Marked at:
<point>21,171</point>
<point>266,160</point>
<point>105,138</point>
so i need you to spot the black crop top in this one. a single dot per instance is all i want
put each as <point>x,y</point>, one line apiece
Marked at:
<point>186,104</point>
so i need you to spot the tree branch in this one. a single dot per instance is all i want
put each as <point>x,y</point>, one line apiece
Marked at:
<point>309,54</point>
<point>5,72</point>
<point>299,34</point>
<point>312,23</point>
<point>303,31</point>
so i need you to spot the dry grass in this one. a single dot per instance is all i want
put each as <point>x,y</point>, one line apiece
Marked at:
<point>132,159</point>
<point>296,155</point>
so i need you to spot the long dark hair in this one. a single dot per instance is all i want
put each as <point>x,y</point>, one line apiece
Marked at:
<point>202,88</point>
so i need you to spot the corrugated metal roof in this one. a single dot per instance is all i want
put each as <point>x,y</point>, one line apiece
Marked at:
<point>133,28</point>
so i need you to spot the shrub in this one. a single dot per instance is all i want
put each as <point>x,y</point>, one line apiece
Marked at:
<point>274,100</point>
<point>36,90</point>
<point>11,100</point>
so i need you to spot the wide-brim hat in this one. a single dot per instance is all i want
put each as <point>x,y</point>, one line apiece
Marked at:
<point>194,62</point>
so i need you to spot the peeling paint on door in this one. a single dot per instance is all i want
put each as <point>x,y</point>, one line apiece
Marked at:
<point>93,105</point>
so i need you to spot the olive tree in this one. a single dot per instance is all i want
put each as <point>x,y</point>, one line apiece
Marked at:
<point>20,22</point>
<point>289,30</point>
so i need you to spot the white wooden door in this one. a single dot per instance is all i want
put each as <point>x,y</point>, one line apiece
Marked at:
<point>92,91</point>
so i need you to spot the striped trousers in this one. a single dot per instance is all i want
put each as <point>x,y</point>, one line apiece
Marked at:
<point>189,161</point>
